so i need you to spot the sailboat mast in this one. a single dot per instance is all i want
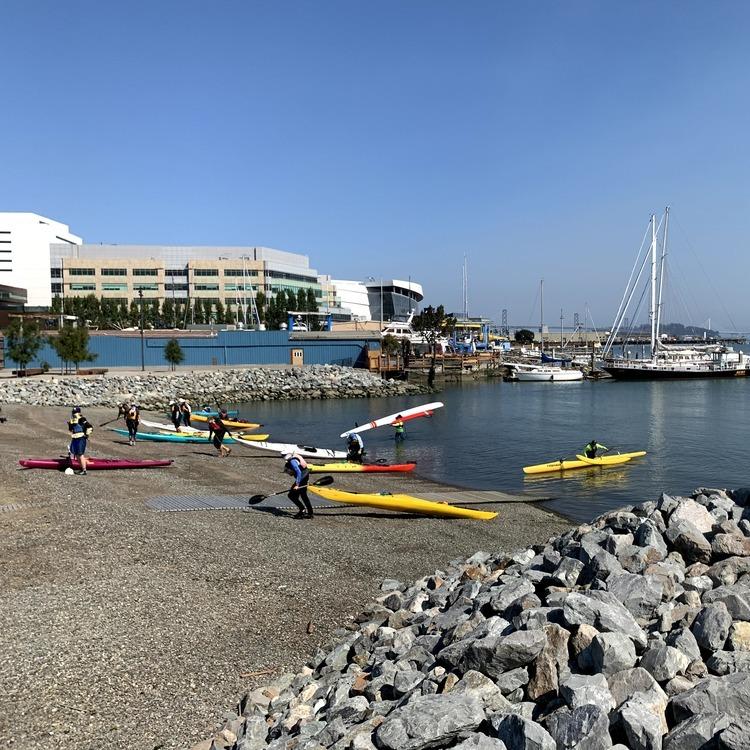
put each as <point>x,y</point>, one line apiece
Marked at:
<point>662,264</point>
<point>541,315</point>
<point>652,311</point>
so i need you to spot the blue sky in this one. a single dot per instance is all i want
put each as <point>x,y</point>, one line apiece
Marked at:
<point>391,138</point>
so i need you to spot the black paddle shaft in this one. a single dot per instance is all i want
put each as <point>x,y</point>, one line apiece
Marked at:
<point>322,482</point>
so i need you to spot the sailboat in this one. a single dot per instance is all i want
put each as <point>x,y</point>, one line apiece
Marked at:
<point>667,362</point>
<point>544,372</point>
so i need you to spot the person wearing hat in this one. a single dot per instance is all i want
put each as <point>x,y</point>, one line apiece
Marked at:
<point>174,414</point>
<point>296,466</point>
<point>80,429</point>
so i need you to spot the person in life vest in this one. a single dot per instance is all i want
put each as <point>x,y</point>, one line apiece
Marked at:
<point>399,434</point>
<point>296,466</point>
<point>591,449</point>
<point>185,412</point>
<point>80,430</point>
<point>132,420</point>
<point>217,431</point>
<point>355,447</point>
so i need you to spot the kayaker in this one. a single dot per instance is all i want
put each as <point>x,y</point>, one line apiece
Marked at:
<point>80,429</point>
<point>185,412</point>
<point>132,420</point>
<point>296,466</point>
<point>175,415</point>
<point>591,449</point>
<point>355,447</point>
<point>400,433</point>
<point>217,431</point>
<point>206,409</point>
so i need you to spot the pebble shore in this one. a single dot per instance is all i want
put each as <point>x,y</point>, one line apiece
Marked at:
<point>631,632</point>
<point>157,390</point>
<point>127,628</point>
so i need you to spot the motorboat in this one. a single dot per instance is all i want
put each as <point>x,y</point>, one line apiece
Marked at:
<point>544,373</point>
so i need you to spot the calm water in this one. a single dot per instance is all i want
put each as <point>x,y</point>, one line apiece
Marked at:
<point>696,434</point>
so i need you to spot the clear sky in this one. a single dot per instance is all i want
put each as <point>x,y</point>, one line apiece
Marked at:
<point>392,138</point>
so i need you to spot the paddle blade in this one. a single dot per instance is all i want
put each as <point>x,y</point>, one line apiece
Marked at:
<point>323,481</point>
<point>255,499</point>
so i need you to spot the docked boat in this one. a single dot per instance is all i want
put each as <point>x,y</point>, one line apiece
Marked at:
<point>544,373</point>
<point>666,362</point>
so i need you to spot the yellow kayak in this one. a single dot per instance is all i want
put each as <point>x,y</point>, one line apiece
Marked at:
<point>401,503</point>
<point>228,422</point>
<point>604,460</point>
<point>580,463</point>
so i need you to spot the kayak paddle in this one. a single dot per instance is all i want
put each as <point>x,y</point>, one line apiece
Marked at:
<point>322,482</point>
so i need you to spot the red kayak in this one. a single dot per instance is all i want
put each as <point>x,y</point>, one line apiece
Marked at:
<point>94,464</point>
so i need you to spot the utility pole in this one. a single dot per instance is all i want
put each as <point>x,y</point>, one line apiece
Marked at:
<point>143,358</point>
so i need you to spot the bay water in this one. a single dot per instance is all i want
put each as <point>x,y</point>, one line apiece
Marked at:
<point>695,433</point>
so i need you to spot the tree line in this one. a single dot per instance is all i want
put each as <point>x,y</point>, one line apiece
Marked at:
<point>174,313</point>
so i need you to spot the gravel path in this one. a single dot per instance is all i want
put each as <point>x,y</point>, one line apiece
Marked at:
<point>126,628</point>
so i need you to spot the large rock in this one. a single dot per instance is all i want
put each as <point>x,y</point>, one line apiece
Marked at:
<point>584,728</point>
<point>640,595</point>
<point>730,694</point>
<point>603,611</point>
<point>711,626</point>
<point>611,653</point>
<point>519,733</point>
<point>638,683</point>
<point>664,662</point>
<point>428,721</point>
<point>642,728</point>
<point>580,690</point>
<point>497,654</point>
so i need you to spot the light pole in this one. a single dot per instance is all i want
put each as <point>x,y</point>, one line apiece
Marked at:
<point>143,358</point>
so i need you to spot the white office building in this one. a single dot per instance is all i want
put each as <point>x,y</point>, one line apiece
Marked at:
<point>25,240</point>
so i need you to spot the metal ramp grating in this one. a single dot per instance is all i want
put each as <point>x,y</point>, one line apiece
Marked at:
<point>175,503</point>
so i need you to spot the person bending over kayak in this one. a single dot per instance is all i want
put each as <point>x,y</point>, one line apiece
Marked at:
<point>132,420</point>
<point>296,466</point>
<point>591,449</point>
<point>218,431</point>
<point>80,429</point>
<point>355,447</point>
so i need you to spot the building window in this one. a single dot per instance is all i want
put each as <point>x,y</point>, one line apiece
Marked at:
<point>83,287</point>
<point>239,272</point>
<point>55,273</point>
<point>239,287</point>
<point>176,272</point>
<point>175,287</point>
<point>205,271</point>
<point>114,287</point>
<point>146,287</point>
<point>81,271</point>
<point>57,288</point>
<point>114,271</point>
<point>145,272</point>
<point>206,287</point>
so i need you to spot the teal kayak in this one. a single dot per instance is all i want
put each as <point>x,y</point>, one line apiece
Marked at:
<point>215,413</point>
<point>174,437</point>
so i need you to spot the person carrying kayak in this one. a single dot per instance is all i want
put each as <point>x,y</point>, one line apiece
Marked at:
<point>355,447</point>
<point>296,466</point>
<point>132,420</point>
<point>400,433</point>
<point>217,431</point>
<point>591,449</point>
<point>80,429</point>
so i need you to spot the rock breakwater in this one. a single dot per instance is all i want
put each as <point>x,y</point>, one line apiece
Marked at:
<point>155,391</point>
<point>629,632</point>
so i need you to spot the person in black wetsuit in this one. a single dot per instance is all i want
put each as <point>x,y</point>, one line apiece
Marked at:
<point>218,431</point>
<point>592,448</point>
<point>296,466</point>
<point>132,420</point>
<point>175,415</point>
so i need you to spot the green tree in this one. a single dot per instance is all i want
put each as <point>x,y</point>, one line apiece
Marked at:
<point>523,336</point>
<point>433,323</point>
<point>197,312</point>
<point>207,310</point>
<point>261,304</point>
<point>220,314</point>
<point>229,317</point>
<point>134,315</point>
<point>291,301</point>
<point>23,340</point>
<point>173,353</point>
<point>301,300</point>
<point>312,300</point>
<point>168,314</point>
<point>390,344</point>
<point>276,312</point>
<point>72,345</point>
<point>57,305</point>
<point>123,314</point>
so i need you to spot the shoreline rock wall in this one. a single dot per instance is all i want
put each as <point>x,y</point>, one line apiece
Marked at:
<point>155,391</point>
<point>629,632</point>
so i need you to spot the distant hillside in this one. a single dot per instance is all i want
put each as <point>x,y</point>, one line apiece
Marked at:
<point>680,331</point>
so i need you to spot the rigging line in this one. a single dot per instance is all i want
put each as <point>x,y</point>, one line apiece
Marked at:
<point>705,273</point>
<point>534,305</point>
<point>679,298</point>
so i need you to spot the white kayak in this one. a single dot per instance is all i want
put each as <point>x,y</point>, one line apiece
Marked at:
<point>425,410</point>
<point>307,451</point>
<point>170,427</point>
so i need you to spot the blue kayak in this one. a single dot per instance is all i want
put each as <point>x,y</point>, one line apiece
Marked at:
<point>214,413</point>
<point>173,437</point>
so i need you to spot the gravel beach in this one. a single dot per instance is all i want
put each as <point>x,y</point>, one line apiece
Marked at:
<point>123,627</point>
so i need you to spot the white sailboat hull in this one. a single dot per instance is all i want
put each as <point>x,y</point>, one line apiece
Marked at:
<point>545,374</point>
